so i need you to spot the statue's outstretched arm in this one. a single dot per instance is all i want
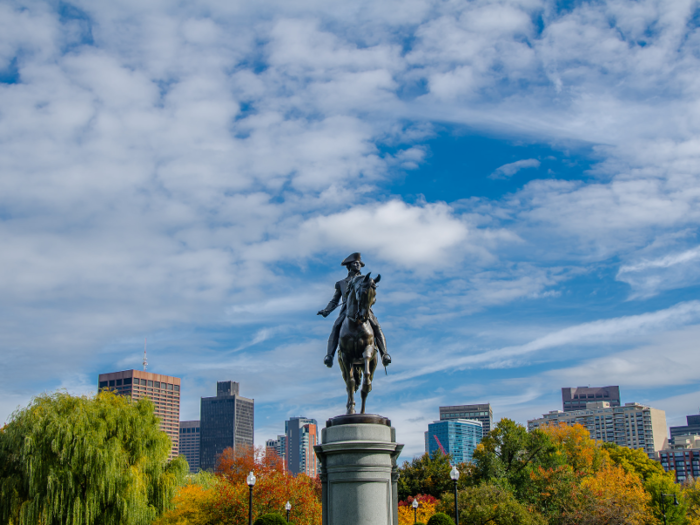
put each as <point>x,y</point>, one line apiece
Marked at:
<point>333,304</point>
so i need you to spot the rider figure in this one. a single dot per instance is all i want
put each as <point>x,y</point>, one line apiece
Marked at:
<point>353,263</point>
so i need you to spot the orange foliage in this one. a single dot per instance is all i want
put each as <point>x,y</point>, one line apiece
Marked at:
<point>614,497</point>
<point>235,466</point>
<point>426,508</point>
<point>575,443</point>
<point>226,502</point>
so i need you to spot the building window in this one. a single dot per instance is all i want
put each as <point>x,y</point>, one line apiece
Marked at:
<point>177,388</point>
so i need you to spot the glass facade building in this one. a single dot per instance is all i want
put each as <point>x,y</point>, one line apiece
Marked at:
<point>302,436</point>
<point>573,399</point>
<point>457,437</point>
<point>189,443</point>
<point>226,421</point>
<point>478,412</point>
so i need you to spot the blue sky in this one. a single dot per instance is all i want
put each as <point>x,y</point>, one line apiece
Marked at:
<point>523,174</point>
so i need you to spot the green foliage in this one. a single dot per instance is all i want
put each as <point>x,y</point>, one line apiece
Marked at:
<point>85,460</point>
<point>634,461</point>
<point>509,453</point>
<point>430,475</point>
<point>657,485</point>
<point>440,519</point>
<point>419,523</point>
<point>270,519</point>
<point>490,504</point>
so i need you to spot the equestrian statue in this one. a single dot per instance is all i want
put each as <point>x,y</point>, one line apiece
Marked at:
<point>356,331</point>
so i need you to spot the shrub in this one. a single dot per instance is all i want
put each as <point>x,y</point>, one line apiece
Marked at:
<point>270,519</point>
<point>440,519</point>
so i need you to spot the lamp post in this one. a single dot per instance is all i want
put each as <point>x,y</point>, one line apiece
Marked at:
<point>415,510</point>
<point>287,507</point>
<point>663,503</point>
<point>250,480</point>
<point>454,474</point>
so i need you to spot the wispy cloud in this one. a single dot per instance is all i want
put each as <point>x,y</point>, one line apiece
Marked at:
<point>508,170</point>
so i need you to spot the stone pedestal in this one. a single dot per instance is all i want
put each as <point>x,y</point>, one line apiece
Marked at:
<point>358,471</point>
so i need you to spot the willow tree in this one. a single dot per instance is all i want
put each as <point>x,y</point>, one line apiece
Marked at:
<point>85,460</point>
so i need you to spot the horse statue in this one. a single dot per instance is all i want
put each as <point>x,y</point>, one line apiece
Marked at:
<point>358,353</point>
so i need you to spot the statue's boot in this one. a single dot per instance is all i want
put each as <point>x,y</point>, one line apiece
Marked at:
<point>381,345</point>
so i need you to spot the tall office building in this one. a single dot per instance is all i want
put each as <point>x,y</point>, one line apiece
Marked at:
<point>226,421</point>
<point>481,412</point>
<point>163,390</point>
<point>302,436</point>
<point>692,428</point>
<point>457,437</point>
<point>189,443</point>
<point>632,425</point>
<point>576,398</point>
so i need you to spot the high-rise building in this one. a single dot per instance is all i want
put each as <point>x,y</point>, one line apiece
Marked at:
<point>302,436</point>
<point>279,447</point>
<point>163,390</point>
<point>576,398</point>
<point>189,443</point>
<point>480,412</point>
<point>682,456</point>
<point>692,428</point>
<point>226,421</point>
<point>457,437</point>
<point>632,425</point>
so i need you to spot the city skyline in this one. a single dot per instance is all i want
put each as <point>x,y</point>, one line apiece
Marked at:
<point>523,175</point>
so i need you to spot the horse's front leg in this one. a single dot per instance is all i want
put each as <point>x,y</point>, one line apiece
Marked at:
<point>349,377</point>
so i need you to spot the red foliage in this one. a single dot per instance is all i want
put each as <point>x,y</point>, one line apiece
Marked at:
<point>422,498</point>
<point>235,465</point>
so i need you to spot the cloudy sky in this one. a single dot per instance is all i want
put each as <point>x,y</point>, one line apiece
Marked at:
<point>523,173</point>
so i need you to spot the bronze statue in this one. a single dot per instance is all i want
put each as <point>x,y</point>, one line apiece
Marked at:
<point>356,329</point>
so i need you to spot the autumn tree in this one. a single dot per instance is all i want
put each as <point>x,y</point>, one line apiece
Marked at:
<point>489,504</point>
<point>612,496</point>
<point>235,465</point>
<point>426,508</point>
<point>430,474</point>
<point>509,453</point>
<point>86,460</point>
<point>574,443</point>
<point>634,461</point>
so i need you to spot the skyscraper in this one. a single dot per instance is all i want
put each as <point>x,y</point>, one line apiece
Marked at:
<point>577,398</point>
<point>189,443</point>
<point>163,390</point>
<point>632,425</point>
<point>480,412</point>
<point>457,437</point>
<point>227,421</point>
<point>302,436</point>
<point>279,447</point>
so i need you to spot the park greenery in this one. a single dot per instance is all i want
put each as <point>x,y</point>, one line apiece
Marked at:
<point>103,460</point>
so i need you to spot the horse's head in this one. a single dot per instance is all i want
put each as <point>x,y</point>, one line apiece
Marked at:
<point>364,291</point>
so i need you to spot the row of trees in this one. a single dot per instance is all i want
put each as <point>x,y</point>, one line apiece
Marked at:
<point>103,460</point>
<point>556,476</point>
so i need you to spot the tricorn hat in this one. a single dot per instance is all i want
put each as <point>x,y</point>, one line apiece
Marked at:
<point>353,257</point>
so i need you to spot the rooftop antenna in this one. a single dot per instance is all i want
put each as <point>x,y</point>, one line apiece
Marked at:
<point>145,361</point>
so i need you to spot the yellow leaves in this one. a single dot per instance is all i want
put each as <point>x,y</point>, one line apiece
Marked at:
<point>424,512</point>
<point>575,443</point>
<point>615,494</point>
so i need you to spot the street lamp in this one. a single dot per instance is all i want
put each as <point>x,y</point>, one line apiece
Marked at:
<point>454,474</point>
<point>287,507</point>
<point>415,510</point>
<point>663,503</point>
<point>250,480</point>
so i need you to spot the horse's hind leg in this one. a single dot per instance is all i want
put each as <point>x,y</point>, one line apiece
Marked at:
<point>349,378</point>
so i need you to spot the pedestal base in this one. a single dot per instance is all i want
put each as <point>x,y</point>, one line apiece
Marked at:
<point>358,471</point>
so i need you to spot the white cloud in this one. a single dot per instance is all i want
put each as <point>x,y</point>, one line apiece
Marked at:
<point>508,170</point>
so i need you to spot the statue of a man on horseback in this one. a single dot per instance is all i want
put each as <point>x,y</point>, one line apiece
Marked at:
<point>356,330</point>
